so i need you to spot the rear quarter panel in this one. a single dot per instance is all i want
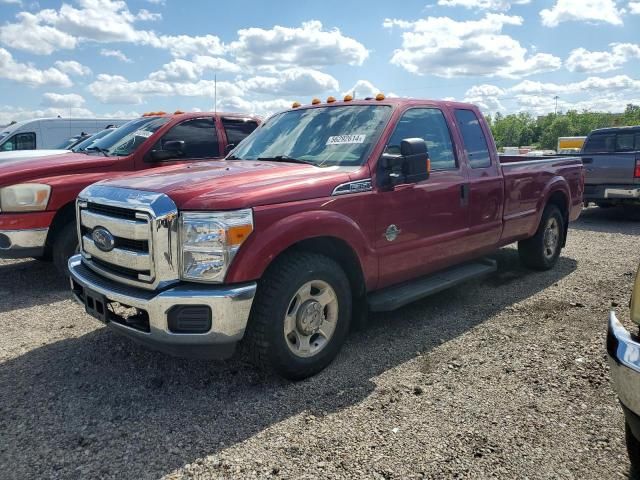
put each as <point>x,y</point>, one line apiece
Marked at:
<point>528,186</point>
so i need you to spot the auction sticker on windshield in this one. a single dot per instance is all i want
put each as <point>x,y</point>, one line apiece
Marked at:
<point>345,139</point>
<point>143,133</point>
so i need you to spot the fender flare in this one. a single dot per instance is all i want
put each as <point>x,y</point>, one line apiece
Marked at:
<point>262,247</point>
<point>556,184</point>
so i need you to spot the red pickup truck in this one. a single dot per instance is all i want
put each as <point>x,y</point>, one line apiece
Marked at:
<point>37,195</point>
<point>324,212</point>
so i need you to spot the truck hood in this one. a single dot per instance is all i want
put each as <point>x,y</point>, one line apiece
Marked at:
<point>233,184</point>
<point>31,154</point>
<point>20,170</point>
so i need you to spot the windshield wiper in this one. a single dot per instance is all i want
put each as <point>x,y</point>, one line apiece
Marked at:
<point>285,158</point>
<point>103,151</point>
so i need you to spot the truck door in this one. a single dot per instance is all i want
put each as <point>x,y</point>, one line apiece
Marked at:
<point>420,227</point>
<point>486,185</point>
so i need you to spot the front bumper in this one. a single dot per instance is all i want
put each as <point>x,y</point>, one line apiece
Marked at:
<point>23,243</point>
<point>624,360</point>
<point>230,307</point>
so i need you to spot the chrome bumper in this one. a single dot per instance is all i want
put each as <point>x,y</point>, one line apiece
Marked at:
<point>632,193</point>
<point>230,307</point>
<point>624,360</point>
<point>22,243</point>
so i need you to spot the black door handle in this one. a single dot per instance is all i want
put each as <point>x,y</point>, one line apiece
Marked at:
<point>464,194</point>
<point>587,160</point>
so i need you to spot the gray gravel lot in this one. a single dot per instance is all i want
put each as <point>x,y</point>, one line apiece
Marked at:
<point>504,378</point>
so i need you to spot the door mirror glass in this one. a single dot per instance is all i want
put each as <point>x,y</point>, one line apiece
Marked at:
<point>411,166</point>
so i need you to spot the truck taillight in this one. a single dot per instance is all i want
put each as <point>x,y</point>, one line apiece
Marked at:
<point>636,172</point>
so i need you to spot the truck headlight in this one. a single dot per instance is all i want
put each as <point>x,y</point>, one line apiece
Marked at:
<point>24,197</point>
<point>209,242</point>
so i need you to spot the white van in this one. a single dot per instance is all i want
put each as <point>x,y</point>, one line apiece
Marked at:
<point>48,133</point>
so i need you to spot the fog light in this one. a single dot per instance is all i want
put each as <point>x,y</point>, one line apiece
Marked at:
<point>189,319</point>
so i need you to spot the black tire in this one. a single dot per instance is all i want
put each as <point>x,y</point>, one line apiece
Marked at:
<point>534,252</point>
<point>265,340</point>
<point>65,245</point>
<point>633,448</point>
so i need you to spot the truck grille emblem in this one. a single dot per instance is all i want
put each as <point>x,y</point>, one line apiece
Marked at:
<point>103,239</point>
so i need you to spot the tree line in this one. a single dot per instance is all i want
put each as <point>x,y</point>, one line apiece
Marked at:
<point>519,129</point>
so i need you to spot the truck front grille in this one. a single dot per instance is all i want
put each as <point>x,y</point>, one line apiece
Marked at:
<point>128,235</point>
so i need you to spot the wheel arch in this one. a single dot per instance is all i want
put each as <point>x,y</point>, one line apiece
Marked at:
<point>63,217</point>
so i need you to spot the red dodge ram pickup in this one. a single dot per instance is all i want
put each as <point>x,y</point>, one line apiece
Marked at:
<point>324,212</point>
<point>37,195</point>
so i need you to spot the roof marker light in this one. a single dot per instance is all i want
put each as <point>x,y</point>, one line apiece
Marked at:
<point>178,112</point>
<point>348,98</point>
<point>380,97</point>
<point>295,104</point>
<point>331,99</point>
<point>315,101</point>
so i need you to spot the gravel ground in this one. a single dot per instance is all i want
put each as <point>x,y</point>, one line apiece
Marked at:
<point>504,378</point>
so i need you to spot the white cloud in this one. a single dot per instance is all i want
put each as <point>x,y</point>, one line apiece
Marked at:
<point>69,100</point>
<point>256,107</point>
<point>10,114</point>
<point>363,89</point>
<point>292,81</point>
<point>184,45</point>
<point>307,45</point>
<point>106,52</point>
<point>72,67</point>
<point>147,16</point>
<point>590,85</point>
<point>30,35</point>
<point>30,75</point>
<point>496,5</point>
<point>185,70</point>
<point>116,89</point>
<point>634,8</point>
<point>486,97</point>
<point>582,60</point>
<point>594,11</point>
<point>448,48</point>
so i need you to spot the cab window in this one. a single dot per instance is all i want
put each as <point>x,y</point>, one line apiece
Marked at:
<point>237,129</point>
<point>430,125</point>
<point>625,142</point>
<point>199,136</point>
<point>475,142</point>
<point>20,141</point>
<point>600,143</point>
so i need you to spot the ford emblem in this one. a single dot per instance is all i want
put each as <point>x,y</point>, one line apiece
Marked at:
<point>103,239</point>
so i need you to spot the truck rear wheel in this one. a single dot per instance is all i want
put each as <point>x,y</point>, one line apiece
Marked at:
<point>541,251</point>
<point>300,316</point>
<point>64,246</point>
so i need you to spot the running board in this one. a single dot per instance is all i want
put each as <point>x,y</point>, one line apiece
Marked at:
<point>397,296</point>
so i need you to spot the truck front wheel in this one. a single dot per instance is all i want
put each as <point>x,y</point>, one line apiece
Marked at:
<point>65,245</point>
<point>541,251</point>
<point>633,447</point>
<point>300,316</point>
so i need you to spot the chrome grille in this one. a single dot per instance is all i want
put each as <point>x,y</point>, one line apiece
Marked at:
<point>144,230</point>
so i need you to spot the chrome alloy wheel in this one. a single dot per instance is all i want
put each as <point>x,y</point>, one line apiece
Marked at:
<point>311,318</point>
<point>551,237</point>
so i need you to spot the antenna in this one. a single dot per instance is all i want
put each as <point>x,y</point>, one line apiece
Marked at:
<point>215,93</point>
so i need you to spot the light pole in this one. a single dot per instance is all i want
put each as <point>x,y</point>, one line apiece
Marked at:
<point>556,99</point>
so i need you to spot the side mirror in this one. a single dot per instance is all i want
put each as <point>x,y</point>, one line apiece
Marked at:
<point>170,149</point>
<point>411,166</point>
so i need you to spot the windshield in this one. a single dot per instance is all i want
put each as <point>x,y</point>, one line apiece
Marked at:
<point>325,136</point>
<point>88,142</point>
<point>126,139</point>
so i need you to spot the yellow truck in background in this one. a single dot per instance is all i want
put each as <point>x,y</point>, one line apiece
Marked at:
<point>570,144</point>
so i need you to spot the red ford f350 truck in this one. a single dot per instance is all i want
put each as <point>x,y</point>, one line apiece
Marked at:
<point>323,211</point>
<point>37,196</point>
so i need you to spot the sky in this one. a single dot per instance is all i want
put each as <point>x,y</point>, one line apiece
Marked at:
<point>123,58</point>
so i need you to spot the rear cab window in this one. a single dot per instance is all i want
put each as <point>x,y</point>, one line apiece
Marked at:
<point>429,124</point>
<point>604,142</point>
<point>237,129</point>
<point>473,138</point>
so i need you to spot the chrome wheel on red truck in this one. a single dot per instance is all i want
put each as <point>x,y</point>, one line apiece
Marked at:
<point>541,251</point>
<point>300,316</point>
